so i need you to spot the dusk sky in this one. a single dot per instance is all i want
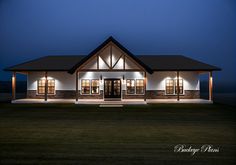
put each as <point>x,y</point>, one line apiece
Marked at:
<point>201,29</point>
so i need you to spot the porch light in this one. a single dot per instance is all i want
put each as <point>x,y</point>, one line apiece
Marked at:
<point>100,79</point>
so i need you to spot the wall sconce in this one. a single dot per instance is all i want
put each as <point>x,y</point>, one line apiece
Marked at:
<point>100,78</point>
<point>123,79</point>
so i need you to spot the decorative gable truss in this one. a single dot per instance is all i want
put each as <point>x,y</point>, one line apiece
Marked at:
<point>110,58</point>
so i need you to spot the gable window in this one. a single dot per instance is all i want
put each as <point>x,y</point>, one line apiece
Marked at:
<point>130,84</point>
<point>85,86</point>
<point>51,86</point>
<point>139,86</point>
<point>95,87</point>
<point>171,86</point>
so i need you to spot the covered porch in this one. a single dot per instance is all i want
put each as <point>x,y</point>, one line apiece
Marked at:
<point>101,101</point>
<point>144,100</point>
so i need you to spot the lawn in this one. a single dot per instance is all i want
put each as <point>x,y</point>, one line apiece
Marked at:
<point>147,134</point>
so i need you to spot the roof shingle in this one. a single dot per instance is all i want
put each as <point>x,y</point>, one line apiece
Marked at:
<point>155,62</point>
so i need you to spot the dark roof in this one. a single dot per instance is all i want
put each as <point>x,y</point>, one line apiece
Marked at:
<point>110,39</point>
<point>175,62</point>
<point>155,62</point>
<point>149,62</point>
<point>48,63</point>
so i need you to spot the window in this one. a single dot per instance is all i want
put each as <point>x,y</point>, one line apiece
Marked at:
<point>180,86</point>
<point>130,86</point>
<point>85,86</point>
<point>41,86</point>
<point>135,86</point>
<point>139,86</point>
<point>51,86</point>
<point>171,86</point>
<point>95,87</point>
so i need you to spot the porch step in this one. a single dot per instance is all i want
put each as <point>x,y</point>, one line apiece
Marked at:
<point>110,105</point>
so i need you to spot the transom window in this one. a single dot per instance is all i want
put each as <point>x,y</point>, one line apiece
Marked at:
<point>171,86</point>
<point>41,86</point>
<point>135,86</point>
<point>90,86</point>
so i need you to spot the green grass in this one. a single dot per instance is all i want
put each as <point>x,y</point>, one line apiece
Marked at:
<point>146,134</point>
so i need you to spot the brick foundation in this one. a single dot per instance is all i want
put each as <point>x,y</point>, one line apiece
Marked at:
<point>95,96</point>
<point>125,96</point>
<point>150,94</point>
<point>60,94</point>
<point>160,94</point>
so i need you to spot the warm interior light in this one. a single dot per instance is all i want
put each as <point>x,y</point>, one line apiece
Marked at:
<point>132,83</point>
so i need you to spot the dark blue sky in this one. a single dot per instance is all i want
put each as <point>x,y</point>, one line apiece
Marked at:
<point>201,29</point>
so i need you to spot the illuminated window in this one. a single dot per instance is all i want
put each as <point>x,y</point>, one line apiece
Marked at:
<point>130,84</point>
<point>85,86</point>
<point>51,86</point>
<point>95,87</point>
<point>169,86</point>
<point>41,86</point>
<point>139,86</point>
<point>180,86</point>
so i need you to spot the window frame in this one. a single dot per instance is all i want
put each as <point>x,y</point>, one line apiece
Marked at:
<point>131,86</point>
<point>174,87</point>
<point>81,82</point>
<point>142,86</point>
<point>92,87</point>
<point>168,79</point>
<point>54,91</point>
<point>135,87</point>
<point>179,85</point>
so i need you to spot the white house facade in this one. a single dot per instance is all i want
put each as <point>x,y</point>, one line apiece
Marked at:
<point>111,72</point>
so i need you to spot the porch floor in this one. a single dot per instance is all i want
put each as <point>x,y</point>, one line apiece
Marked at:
<point>123,102</point>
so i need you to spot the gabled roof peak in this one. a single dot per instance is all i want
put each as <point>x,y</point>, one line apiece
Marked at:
<point>101,46</point>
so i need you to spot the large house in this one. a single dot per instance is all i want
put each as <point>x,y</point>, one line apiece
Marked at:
<point>112,72</point>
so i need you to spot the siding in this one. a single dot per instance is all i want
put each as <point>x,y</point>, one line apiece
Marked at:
<point>156,81</point>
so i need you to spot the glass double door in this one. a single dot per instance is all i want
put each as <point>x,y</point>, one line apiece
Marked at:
<point>112,88</point>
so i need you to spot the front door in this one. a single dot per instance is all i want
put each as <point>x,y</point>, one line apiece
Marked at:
<point>112,88</point>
